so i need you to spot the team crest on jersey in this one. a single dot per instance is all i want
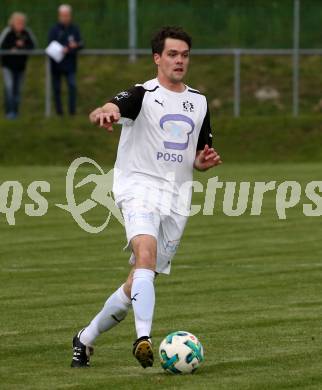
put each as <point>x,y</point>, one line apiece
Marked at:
<point>122,95</point>
<point>188,106</point>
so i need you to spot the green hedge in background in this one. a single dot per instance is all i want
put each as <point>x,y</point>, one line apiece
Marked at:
<point>212,23</point>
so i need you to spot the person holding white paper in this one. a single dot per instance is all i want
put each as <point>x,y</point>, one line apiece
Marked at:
<point>68,35</point>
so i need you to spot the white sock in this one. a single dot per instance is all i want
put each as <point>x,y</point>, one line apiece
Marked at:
<point>143,299</point>
<point>114,311</point>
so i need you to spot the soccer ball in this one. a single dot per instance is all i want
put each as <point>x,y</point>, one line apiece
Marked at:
<point>181,353</point>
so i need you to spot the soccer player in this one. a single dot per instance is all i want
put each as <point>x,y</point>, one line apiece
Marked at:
<point>165,135</point>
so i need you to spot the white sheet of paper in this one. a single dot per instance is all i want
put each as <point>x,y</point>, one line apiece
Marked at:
<point>55,51</point>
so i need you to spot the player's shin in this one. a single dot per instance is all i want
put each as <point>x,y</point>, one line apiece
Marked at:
<point>143,300</point>
<point>114,311</point>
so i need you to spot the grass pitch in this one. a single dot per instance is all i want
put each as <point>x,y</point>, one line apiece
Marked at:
<point>249,287</point>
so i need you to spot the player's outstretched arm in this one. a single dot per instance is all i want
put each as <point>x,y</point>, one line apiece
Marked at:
<point>206,158</point>
<point>105,116</point>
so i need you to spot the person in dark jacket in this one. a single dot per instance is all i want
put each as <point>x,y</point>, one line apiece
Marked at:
<point>15,37</point>
<point>68,35</point>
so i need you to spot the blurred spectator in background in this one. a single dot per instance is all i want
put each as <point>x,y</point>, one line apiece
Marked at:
<point>68,35</point>
<point>15,37</point>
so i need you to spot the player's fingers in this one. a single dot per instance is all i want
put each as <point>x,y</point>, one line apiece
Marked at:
<point>210,156</point>
<point>109,127</point>
<point>107,124</point>
<point>217,160</point>
<point>101,120</point>
<point>105,120</point>
<point>212,150</point>
<point>96,118</point>
<point>116,116</point>
<point>213,163</point>
<point>216,153</point>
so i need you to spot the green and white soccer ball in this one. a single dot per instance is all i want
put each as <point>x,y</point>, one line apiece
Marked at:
<point>181,353</point>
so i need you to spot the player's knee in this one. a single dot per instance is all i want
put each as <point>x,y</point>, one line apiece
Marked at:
<point>145,259</point>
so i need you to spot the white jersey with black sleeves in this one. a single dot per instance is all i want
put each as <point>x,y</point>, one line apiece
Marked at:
<point>161,132</point>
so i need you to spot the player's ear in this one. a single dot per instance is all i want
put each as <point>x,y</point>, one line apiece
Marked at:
<point>156,58</point>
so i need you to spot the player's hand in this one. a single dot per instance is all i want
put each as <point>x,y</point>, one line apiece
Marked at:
<point>206,159</point>
<point>106,120</point>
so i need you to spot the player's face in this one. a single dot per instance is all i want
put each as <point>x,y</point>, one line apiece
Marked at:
<point>174,60</point>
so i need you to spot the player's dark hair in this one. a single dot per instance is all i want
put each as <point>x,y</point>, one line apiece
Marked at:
<point>157,42</point>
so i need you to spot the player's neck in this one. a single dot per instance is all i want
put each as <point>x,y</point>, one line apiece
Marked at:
<point>174,87</point>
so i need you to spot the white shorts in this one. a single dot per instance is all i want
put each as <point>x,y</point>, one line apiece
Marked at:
<point>139,218</point>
